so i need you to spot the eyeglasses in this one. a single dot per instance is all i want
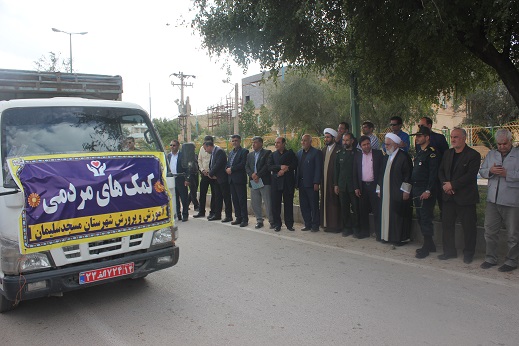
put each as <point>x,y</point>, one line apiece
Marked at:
<point>173,145</point>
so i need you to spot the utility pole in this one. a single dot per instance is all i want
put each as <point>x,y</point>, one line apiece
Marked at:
<point>183,118</point>
<point>237,115</point>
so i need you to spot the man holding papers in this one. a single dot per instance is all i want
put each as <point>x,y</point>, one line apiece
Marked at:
<point>259,175</point>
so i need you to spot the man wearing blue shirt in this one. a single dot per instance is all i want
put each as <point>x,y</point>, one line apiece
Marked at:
<point>396,127</point>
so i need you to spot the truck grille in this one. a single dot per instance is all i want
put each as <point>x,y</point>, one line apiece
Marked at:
<point>100,247</point>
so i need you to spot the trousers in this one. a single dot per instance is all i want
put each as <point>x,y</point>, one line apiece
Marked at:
<point>257,197</point>
<point>468,217</point>
<point>495,216</point>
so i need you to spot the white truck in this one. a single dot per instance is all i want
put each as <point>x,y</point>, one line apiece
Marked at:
<point>78,205</point>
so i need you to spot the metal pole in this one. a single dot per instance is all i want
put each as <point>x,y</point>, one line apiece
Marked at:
<point>70,46</point>
<point>237,118</point>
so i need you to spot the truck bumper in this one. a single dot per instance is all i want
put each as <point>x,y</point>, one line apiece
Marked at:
<point>17,288</point>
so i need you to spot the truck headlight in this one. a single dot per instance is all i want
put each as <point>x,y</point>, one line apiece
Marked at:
<point>15,263</point>
<point>162,236</point>
<point>34,261</point>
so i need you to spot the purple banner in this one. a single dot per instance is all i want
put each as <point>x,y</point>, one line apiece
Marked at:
<point>87,196</point>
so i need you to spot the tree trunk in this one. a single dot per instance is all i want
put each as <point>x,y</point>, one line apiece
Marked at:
<point>487,53</point>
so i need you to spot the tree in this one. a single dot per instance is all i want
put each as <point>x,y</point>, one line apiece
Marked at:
<point>252,124</point>
<point>308,102</point>
<point>168,129</point>
<point>224,129</point>
<point>51,63</point>
<point>491,107</point>
<point>400,48</point>
<point>379,111</point>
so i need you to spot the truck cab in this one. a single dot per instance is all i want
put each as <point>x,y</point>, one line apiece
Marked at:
<point>80,204</point>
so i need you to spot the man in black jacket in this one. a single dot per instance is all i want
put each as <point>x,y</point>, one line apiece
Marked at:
<point>235,169</point>
<point>458,175</point>
<point>221,188</point>
<point>259,174</point>
<point>282,163</point>
<point>175,164</point>
<point>366,171</point>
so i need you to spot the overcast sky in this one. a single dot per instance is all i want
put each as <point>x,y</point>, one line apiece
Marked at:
<point>128,38</point>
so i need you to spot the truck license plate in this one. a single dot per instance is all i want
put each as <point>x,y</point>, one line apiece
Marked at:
<point>106,273</point>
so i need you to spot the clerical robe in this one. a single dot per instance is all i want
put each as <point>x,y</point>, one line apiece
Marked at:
<point>330,206</point>
<point>396,213</point>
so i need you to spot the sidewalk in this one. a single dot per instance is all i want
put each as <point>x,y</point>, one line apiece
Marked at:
<point>400,255</point>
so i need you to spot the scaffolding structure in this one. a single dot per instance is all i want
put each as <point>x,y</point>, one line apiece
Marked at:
<point>216,115</point>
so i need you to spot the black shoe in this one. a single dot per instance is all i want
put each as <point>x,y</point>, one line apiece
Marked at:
<point>291,229</point>
<point>332,230</point>
<point>467,259</point>
<point>272,226</point>
<point>196,216</point>
<point>184,219</point>
<point>487,265</point>
<point>315,229</point>
<point>235,222</point>
<point>210,215</point>
<point>227,219</point>
<point>213,218</point>
<point>304,229</point>
<point>277,229</point>
<point>444,257</point>
<point>506,268</point>
<point>421,254</point>
<point>346,234</point>
<point>259,225</point>
<point>244,224</point>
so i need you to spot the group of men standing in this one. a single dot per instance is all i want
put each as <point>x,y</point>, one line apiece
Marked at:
<point>340,185</point>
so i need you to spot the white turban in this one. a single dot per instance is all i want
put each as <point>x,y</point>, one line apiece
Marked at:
<point>330,131</point>
<point>393,137</point>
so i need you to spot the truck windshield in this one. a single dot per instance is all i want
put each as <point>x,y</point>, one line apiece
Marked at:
<point>64,130</point>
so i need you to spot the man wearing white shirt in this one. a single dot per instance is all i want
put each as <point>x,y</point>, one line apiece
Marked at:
<point>175,164</point>
<point>204,158</point>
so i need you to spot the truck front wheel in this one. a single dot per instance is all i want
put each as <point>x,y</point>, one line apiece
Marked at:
<point>6,304</point>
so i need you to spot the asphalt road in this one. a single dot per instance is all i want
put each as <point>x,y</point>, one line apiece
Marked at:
<point>240,286</point>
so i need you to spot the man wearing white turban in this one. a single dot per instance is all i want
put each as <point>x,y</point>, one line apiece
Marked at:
<point>394,191</point>
<point>330,203</point>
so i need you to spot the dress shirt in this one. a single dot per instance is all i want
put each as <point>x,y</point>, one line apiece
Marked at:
<point>173,163</point>
<point>367,167</point>
<point>203,160</point>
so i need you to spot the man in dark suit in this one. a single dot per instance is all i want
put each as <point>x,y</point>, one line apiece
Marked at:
<point>458,175</point>
<point>175,165</point>
<point>344,188</point>
<point>235,169</point>
<point>366,172</point>
<point>259,174</point>
<point>308,179</point>
<point>221,188</point>
<point>282,164</point>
